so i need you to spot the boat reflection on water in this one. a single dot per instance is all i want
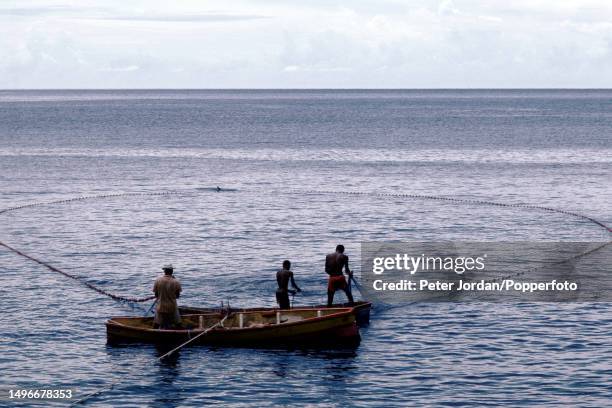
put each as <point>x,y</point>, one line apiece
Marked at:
<point>166,379</point>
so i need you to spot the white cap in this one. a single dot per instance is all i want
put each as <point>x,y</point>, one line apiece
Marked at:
<point>167,266</point>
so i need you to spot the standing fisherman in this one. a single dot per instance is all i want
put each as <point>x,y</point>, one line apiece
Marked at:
<point>283,277</point>
<point>167,289</point>
<point>334,263</point>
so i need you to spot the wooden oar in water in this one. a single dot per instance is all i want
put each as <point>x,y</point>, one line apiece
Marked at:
<point>357,285</point>
<point>115,382</point>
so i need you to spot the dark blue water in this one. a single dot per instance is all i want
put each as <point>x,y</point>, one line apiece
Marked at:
<point>538,147</point>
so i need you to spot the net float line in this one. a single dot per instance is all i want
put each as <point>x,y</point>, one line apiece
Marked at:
<point>81,198</point>
<point>460,200</point>
<point>68,274</point>
<point>218,189</point>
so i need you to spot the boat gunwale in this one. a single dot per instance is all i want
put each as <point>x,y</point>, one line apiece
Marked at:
<point>359,305</point>
<point>344,311</point>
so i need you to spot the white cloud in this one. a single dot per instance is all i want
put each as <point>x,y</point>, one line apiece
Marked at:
<point>121,69</point>
<point>273,43</point>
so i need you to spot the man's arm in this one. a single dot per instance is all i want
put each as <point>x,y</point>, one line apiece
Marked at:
<point>155,289</point>
<point>179,288</point>
<point>293,283</point>
<point>346,267</point>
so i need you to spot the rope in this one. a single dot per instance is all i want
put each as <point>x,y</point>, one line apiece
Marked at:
<point>77,278</point>
<point>113,383</point>
<point>67,274</point>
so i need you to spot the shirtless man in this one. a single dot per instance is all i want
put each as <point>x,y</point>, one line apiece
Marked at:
<point>283,277</point>
<point>334,263</point>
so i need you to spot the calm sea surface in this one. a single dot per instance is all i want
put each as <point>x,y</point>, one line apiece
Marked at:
<point>266,149</point>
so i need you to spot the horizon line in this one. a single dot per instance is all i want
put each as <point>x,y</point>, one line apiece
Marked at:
<point>315,89</point>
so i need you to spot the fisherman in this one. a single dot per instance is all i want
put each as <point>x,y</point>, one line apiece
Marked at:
<point>334,263</point>
<point>167,289</point>
<point>283,277</point>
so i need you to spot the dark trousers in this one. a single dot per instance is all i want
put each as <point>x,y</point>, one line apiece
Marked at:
<point>166,321</point>
<point>282,298</point>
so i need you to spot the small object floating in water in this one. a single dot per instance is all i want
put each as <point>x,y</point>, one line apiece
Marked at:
<point>216,189</point>
<point>335,327</point>
<point>361,310</point>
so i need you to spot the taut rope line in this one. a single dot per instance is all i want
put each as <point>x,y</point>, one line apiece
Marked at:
<point>70,275</point>
<point>191,340</point>
<point>77,278</point>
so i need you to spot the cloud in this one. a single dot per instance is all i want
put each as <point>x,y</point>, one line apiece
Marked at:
<point>57,10</point>
<point>211,18</point>
<point>128,68</point>
<point>120,14</point>
<point>33,11</point>
<point>335,44</point>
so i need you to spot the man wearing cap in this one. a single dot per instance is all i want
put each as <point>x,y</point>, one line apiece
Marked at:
<point>334,264</point>
<point>167,289</point>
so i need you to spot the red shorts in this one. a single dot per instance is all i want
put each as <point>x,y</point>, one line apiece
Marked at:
<point>335,283</point>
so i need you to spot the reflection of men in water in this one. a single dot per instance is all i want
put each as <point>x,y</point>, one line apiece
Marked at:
<point>282,278</point>
<point>334,263</point>
<point>167,289</point>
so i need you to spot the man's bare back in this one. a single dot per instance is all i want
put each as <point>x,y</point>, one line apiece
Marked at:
<point>283,277</point>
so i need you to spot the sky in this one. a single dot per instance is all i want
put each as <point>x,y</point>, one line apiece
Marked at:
<point>306,44</point>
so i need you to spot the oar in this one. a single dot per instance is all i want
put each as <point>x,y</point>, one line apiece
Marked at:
<point>113,383</point>
<point>357,285</point>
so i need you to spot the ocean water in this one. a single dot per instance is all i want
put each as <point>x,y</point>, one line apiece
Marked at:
<point>283,160</point>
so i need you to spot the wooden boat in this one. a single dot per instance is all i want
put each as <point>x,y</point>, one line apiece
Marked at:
<point>361,310</point>
<point>295,327</point>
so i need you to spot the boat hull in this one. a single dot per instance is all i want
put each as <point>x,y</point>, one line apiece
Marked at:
<point>334,329</point>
